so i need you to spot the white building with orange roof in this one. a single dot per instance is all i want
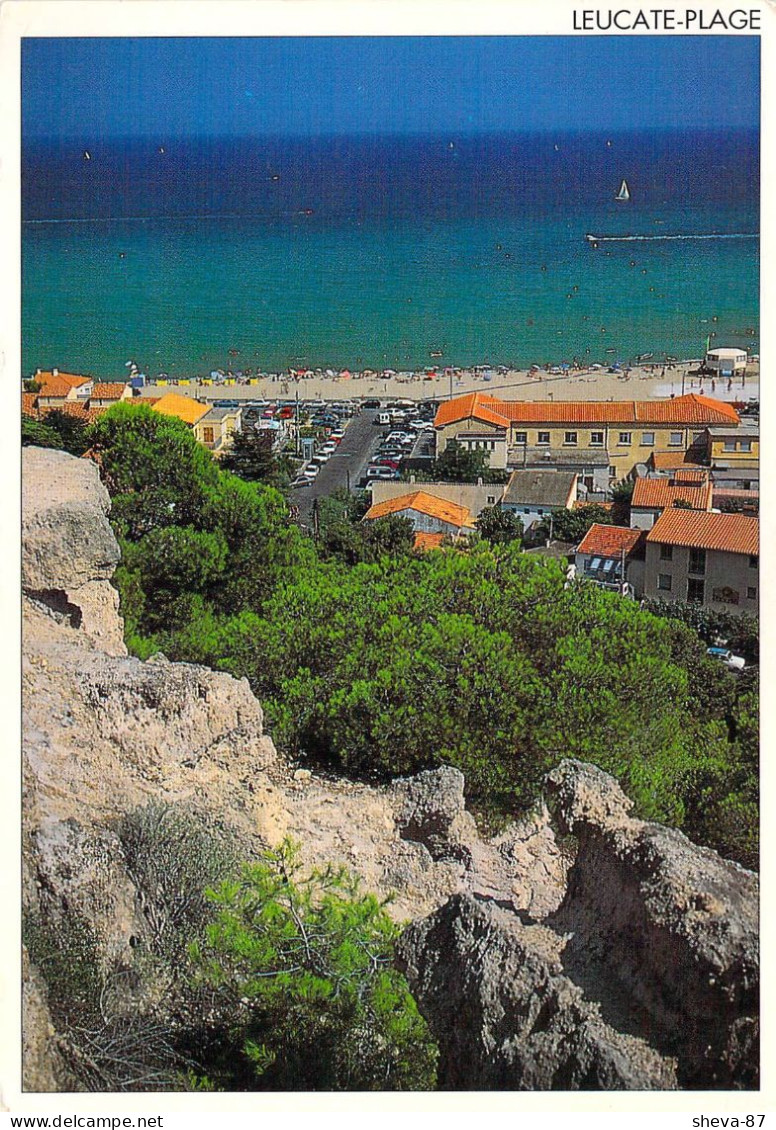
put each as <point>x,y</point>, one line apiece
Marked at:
<point>107,393</point>
<point>613,558</point>
<point>690,489</point>
<point>428,514</point>
<point>704,558</point>
<point>57,388</point>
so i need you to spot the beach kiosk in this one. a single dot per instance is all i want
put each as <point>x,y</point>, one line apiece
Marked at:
<point>726,362</point>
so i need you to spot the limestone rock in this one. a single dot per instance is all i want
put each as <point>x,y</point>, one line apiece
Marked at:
<point>69,551</point>
<point>673,925</point>
<point>494,993</point>
<point>645,974</point>
<point>431,810</point>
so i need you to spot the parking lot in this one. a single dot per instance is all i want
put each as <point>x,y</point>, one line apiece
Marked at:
<point>375,444</point>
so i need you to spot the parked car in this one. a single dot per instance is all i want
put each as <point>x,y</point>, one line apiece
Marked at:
<point>377,472</point>
<point>327,448</point>
<point>310,471</point>
<point>371,403</point>
<point>382,419</point>
<point>731,661</point>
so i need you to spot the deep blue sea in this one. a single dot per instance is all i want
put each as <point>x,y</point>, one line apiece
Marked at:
<point>262,253</point>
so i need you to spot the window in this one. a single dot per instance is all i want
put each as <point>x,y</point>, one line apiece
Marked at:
<point>612,472</point>
<point>664,581</point>
<point>596,439</point>
<point>675,439</point>
<point>751,593</point>
<point>647,439</point>
<point>695,591</point>
<point>521,437</point>
<point>697,561</point>
<point>571,438</point>
<point>746,445</point>
<point>208,435</point>
<point>625,438</point>
<point>754,561</point>
<point>491,499</point>
<point>543,437</point>
<point>540,512</point>
<point>666,552</point>
<point>729,445</point>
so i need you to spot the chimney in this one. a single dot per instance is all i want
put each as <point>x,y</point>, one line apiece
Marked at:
<point>55,372</point>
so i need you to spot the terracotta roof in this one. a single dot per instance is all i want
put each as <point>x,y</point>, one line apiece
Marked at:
<point>425,504</point>
<point>55,387</point>
<point>72,380</point>
<point>690,475</point>
<point>691,409</point>
<point>661,493</point>
<point>481,407</point>
<point>424,541</point>
<point>669,460</point>
<point>182,407</point>
<point>79,409</point>
<point>609,541</point>
<point>729,533</point>
<point>109,391</point>
<point>29,404</point>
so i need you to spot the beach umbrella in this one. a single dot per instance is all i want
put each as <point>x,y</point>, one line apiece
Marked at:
<point>345,374</point>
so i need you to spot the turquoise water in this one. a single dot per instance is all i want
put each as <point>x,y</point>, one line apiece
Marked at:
<point>512,284</point>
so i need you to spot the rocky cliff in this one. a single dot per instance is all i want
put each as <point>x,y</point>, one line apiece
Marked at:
<point>625,958</point>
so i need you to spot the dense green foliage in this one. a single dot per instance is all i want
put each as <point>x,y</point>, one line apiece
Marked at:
<point>58,429</point>
<point>305,964</point>
<point>37,434</point>
<point>572,525</point>
<point>342,536</point>
<point>499,526</point>
<point>382,661</point>
<point>250,456</point>
<point>458,465</point>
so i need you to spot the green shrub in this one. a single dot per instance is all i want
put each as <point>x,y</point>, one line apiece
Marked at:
<point>307,960</point>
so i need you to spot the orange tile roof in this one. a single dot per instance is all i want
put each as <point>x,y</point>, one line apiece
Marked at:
<point>582,503</point>
<point>424,503</point>
<point>484,408</point>
<point>691,475</point>
<point>424,541</point>
<point>182,407</point>
<point>729,533</point>
<point>113,390</point>
<point>609,541</point>
<point>654,493</point>
<point>691,409</point>
<point>78,409</point>
<point>29,404</point>
<point>72,380</point>
<point>670,460</point>
<point>688,409</point>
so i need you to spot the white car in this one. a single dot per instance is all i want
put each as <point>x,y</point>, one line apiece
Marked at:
<point>731,661</point>
<point>310,472</point>
<point>327,448</point>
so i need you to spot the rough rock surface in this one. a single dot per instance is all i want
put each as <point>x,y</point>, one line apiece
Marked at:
<point>105,733</point>
<point>646,975</point>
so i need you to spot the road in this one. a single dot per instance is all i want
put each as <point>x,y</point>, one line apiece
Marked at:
<point>345,467</point>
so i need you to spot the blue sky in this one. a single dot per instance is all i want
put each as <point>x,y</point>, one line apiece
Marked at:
<point>172,87</point>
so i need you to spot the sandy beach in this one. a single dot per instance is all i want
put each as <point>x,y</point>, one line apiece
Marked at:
<point>641,383</point>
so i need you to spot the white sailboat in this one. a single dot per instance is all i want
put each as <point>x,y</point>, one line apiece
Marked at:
<point>624,193</point>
